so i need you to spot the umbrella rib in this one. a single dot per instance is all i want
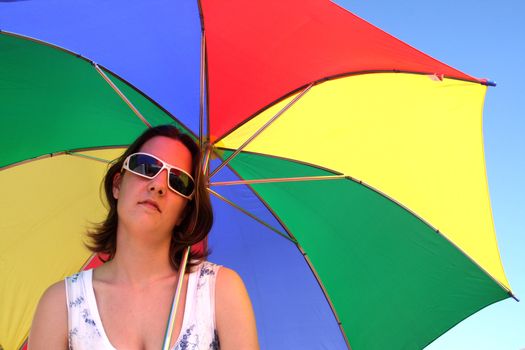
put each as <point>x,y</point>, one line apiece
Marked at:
<point>316,166</point>
<point>61,153</point>
<point>122,96</point>
<point>280,179</point>
<point>321,80</point>
<point>305,256</point>
<point>168,113</point>
<point>325,292</point>
<point>87,156</point>
<point>261,129</point>
<point>252,216</point>
<point>102,69</point>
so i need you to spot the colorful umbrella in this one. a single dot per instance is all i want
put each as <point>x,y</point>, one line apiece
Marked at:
<point>367,155</point>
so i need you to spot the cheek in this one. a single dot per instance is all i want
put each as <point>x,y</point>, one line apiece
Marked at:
<point>126,195</point>
<point>123,212</point>
<point>179,213</point>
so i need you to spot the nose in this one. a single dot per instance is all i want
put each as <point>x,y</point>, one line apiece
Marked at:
<point>159,183</point>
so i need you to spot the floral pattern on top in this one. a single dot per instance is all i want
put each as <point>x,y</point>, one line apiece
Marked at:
<point>74,278</point>
<point>207,269</point>
<point>214,345</point>
<point>199,320</point>
<point>77,302</point>
<point>190,338</point>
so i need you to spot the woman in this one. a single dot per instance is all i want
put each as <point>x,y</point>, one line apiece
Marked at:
<point>153,217</point>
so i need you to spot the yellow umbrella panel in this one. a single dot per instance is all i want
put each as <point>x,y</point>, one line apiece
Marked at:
<point>62,199</point>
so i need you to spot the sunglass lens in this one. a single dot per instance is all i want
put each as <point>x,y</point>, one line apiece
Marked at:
<point>144,165</point>
<point>181,182</point>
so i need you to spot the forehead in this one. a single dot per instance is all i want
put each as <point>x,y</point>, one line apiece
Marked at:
<point>169,150</point>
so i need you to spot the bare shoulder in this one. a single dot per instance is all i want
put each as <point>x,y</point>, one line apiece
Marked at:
<point>55,293</point>
<point>227,278</point>
<point>234,312</point>
<point>230,291</point>
<point>49,328</point>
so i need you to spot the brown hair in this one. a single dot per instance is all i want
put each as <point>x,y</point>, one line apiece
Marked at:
<point>198,218</point>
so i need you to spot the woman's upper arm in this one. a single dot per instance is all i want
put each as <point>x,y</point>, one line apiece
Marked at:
<point>49,328</point>
<point>234,313</point>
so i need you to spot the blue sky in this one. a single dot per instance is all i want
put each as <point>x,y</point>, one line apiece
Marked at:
<point>484,39</point>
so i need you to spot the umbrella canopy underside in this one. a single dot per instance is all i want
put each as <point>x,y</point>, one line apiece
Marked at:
<point>405,240</point>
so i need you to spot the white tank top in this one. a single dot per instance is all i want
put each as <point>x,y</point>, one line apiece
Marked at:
<point>85,330</point>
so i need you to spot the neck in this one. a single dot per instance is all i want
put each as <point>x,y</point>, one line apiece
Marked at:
<point>139,259</point>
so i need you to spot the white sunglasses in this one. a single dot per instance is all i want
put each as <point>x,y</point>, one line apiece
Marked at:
<point>148,166</point>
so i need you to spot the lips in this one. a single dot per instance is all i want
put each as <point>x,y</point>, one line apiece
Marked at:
<point>151,203</point>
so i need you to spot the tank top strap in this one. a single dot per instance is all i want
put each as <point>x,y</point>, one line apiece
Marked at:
<point>85,329</point>
<point>199,330</point>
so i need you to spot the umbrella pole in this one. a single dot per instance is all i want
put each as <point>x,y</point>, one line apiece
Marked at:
<point>201,98</point>
<point>175,303</point>
<point>206,160</point>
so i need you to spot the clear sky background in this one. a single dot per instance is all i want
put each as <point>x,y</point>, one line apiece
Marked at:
<point>485,39</point>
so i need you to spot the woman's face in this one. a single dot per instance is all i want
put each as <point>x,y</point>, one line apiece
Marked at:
<point>149,205</point>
